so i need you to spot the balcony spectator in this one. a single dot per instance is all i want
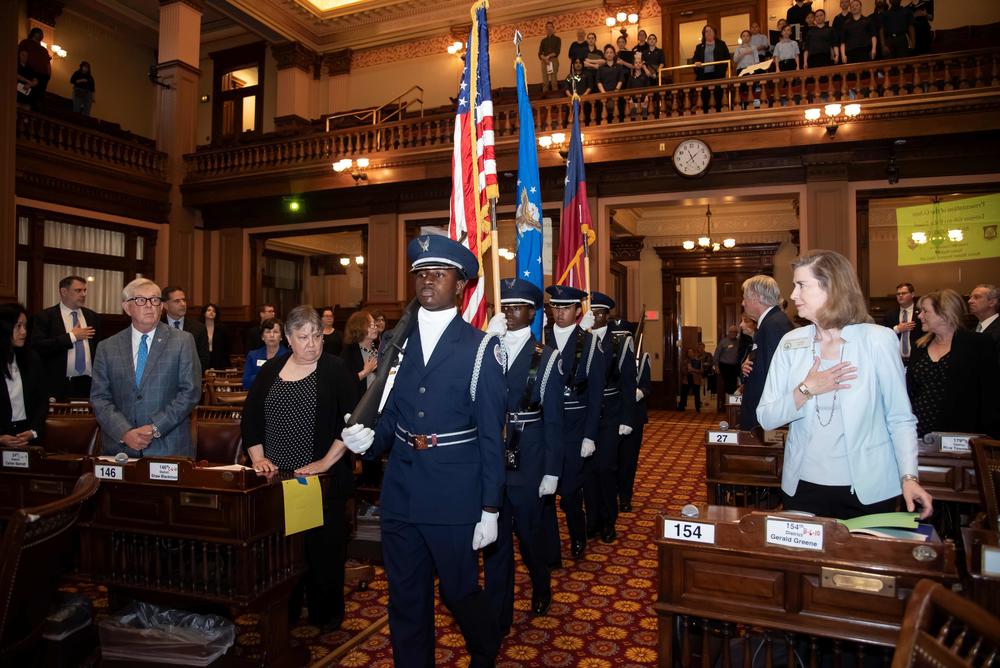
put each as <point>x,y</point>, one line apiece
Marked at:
<point>639,77</point>
<point>952,378</point>
<point>877,18</point>
<point>40,63</point>
<point>333,340</point>
<point>610,77</point>
<point>580,80</point>
<point>548,56</point>
<point>579,49</point>
<point>838,20</point>
<point>923,33</point>
<point>653,57</point>
<point>641,43</point>
<point>820,45</point>
<point>624,54</point>
<point>595,57</point>
<point>745,54</point>
<point>83,89</point>
<point>710,50</point>
<point>775,35</point>
<point>857,39</point>
<point>786,51</point>
<point>897,31</point>
<point>759,40</point>
<point>26,79</point>
<point>796,18</point>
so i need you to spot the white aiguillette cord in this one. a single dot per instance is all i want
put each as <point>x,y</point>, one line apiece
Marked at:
<point>391,380</point>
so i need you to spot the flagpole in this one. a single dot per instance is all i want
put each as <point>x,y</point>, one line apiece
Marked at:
<point>494,258</point>
<point>586,265</point>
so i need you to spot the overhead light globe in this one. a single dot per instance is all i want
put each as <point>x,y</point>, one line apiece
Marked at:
<point>812,114</point>
<point>955,235</point>
<point>832,109</point>
<point>545,141</point>
<point>558,137</point>
<point>704,242</point>
<point>344,261</point>
<point>610,22</point>
<point>852,110</point>
<point>633,18</point>
<point>918,237</point>
<point>362,163</point>
<point>688,245</point>
<point>622,17</point>
<point>359,259</point>
<point>729,243</point>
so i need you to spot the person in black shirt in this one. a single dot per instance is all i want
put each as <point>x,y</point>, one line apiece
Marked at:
<point>83,89</point>
<point>641,44</point>
<point>857,40</point>
<point>580,80</point>
<point>609,78</point>
<point>653,58</point>
<point>624,53</point>
<point>26,79</point>
<point>820,44</point>
<point>775,35</point>
<point>595,57</point>
<point>838,20</point>
<point>923,14</point>
<point>579,49</point>
<point>796,17</point>
<point>639,77</point>
<point>897,31</point>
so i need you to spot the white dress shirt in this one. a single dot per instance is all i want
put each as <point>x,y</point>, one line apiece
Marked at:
<point>432,325</point>
<point>983,324</point>
<point>67,318</point>
<point>137,339</point>
<point>171,321</point>
<point>513,342</point>
<point>15,390</point>
<point>561,335</point>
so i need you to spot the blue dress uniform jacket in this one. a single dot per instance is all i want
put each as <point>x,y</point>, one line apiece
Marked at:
<point>446,484</point>
<point>644,383</point>
<point>541,453</point>
<point>628,451</point>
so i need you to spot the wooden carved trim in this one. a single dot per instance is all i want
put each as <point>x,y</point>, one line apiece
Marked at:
<point>293,54</point>
<point>197,5</point>
<point>338,62</point>
<point>45,11</point>
<point>626,249</point>
<point>753,258</point>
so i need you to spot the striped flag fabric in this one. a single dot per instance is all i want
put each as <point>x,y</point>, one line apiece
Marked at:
<point>575,226</point>
<point>474,168</point>
<point>529,196</point>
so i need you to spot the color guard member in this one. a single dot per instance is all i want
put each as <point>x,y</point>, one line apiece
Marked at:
<point>628,451</point>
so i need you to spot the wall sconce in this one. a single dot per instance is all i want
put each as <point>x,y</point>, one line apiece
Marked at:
<point>345,261</point>
<point>56,49</point>
<point>557,140</point>
<point>835,114</point>
<point>359,260</point>
<point>457,49</point>
<point>622,20</point>
<point>356,168</point>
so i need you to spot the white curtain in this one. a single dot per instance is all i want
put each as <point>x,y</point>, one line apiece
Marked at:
<point>84,239</point>
<point>104,287</point>
<point>23,227</point>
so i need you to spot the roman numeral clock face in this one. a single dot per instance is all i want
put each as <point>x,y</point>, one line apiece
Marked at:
<point>692,158</point>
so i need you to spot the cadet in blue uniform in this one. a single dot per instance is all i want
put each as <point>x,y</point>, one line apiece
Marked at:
<point>583,374</point>
<point>628,451</point>
<point>600,488</point>
<point>443,486</point>
<point>533,453</point>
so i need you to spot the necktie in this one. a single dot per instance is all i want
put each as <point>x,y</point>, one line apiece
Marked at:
<point>79,354</point>
<point>904,340</point>
<point>140,359</point>
<point>177,324</point>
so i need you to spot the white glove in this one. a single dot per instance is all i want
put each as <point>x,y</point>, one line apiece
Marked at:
<point>587,447</point>
<point>545,320</point>
<point>638,394</point>
<point>548,485</point>
<point>485,531</point>
<point>624,430</point>
<point>587,321</point>
<point>358,438</point>
<point>497,326</point>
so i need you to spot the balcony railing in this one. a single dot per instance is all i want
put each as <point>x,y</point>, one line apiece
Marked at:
<point>905,77</point>
<point>91,145</point>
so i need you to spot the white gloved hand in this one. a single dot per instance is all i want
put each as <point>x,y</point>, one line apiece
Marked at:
<point>358,438</point>
<point>485,531</point>
<point>545,320</point>
<point>587,321</point>
<point>638,394</point>
<point>587,447</point>
<point>624,430</point>
<point>548,485</point>
<point>497,326</point>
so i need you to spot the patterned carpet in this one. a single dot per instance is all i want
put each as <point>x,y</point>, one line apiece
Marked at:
<point>601,614</point>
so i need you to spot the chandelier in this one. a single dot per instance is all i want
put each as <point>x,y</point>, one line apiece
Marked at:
<point>706,243</point>
<point>936,236</point>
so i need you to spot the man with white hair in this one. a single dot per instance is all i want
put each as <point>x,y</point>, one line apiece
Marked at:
<point>761,299</point>
<point>147,380</point>
<point>984,303</point>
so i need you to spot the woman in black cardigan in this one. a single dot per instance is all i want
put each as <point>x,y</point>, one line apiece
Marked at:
<point>292,420</point>
<point>710,50</point>
<point>24,385</point>
<point>952,377</point>
<point>218,339</point>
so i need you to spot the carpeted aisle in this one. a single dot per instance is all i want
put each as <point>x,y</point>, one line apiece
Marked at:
<point>601,614</point>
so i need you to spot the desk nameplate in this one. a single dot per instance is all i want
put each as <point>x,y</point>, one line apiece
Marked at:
<point>691,532</point>
<point>727,437</point>
<point>16,459</point>
<point>793,534</point>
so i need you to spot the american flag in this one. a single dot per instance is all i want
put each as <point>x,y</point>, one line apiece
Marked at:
<point>474,167</point>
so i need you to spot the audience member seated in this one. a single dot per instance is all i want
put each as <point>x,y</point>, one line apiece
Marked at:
<point>953,376</point>
<point>82,82</point>
<point>710,50</point>
<point>218,339</point>
<point>838,384</point>
<point>333,341</point>
<point>292,420</point>
<point>270,334</point>
<point>820,45</point>
<point>25,404</point>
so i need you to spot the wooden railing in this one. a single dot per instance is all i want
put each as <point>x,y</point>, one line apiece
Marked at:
<point>905,77</point>
<point>90,144</point>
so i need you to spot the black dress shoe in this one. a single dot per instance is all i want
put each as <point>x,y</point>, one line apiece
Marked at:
<point>576,550</point>
<point>540,604</point>
<point>608,535</point>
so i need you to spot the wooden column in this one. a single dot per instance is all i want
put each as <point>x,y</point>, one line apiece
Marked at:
<point>176,127</point>
<point>338,71</point>
<point>8,125</point>
<point>826,224</point>
<point>295,76</point>
<point>384,262</point>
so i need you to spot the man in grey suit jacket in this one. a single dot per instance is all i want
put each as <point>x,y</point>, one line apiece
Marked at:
<point>762,302</point>
<point>147,380</point>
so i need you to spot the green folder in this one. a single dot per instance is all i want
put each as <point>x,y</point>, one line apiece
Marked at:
<point>895,520</point>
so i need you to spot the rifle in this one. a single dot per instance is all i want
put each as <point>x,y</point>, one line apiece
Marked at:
<point>367,410</point>
<point>638,334</point>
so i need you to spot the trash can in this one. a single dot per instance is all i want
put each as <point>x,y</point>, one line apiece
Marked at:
<point>145,632</point>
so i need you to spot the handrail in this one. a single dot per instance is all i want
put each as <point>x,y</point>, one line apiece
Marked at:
<point>909,77</point>
<point>373,112</point>
<point>663,68</point>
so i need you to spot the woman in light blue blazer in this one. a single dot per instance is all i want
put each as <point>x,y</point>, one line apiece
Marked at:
<point>839,386</point>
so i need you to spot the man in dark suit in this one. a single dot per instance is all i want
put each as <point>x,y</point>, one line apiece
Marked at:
<point>65,337</point>
<point>761,299</point>
<point>147,380</point>
<point>904,321</point>
<point>984,303</point>
<point>251,335</point>
<point>175,307</point>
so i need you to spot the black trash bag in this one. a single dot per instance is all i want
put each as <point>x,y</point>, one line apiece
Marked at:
<point>142,631</point>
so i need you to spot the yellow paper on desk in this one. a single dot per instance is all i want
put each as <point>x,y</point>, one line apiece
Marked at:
<point>303,504</point>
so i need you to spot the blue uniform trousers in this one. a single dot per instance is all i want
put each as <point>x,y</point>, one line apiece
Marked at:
<point>600,488</point>
<point>628,462</point>
<point>412,554</point>
<point>570,489</point>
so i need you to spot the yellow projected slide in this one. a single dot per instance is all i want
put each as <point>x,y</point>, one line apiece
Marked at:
<point>964,229</point>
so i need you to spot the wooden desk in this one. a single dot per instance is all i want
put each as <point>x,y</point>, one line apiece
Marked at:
<point>30,477</point>
<point>211,539</point>
<point>983,589</point>
<point>716,600</point>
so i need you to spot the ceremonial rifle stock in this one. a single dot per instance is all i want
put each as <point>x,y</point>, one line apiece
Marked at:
<point>638,334</point>
<point>366,411</point>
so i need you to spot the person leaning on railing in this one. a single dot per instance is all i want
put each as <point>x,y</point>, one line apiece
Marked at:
<point>709,50</point>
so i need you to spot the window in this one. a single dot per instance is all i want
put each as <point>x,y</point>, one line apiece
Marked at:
<point>238,84</point>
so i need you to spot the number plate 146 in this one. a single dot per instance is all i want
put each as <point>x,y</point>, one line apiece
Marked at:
<point>695,532</point>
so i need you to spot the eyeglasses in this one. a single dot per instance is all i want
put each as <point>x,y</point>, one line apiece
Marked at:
<point>902,294</point>
<point>142,301</point>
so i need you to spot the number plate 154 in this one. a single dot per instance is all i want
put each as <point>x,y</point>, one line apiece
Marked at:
<point>695,532</point>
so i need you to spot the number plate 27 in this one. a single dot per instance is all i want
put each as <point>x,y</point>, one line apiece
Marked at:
<point>693,532</point>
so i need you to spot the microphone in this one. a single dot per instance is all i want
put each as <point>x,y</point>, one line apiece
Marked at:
<point>723,425</point>
<point>690,510</point>
<point>121,458</point>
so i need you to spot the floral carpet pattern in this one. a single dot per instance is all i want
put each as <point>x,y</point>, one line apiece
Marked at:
<point>601,614</point>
